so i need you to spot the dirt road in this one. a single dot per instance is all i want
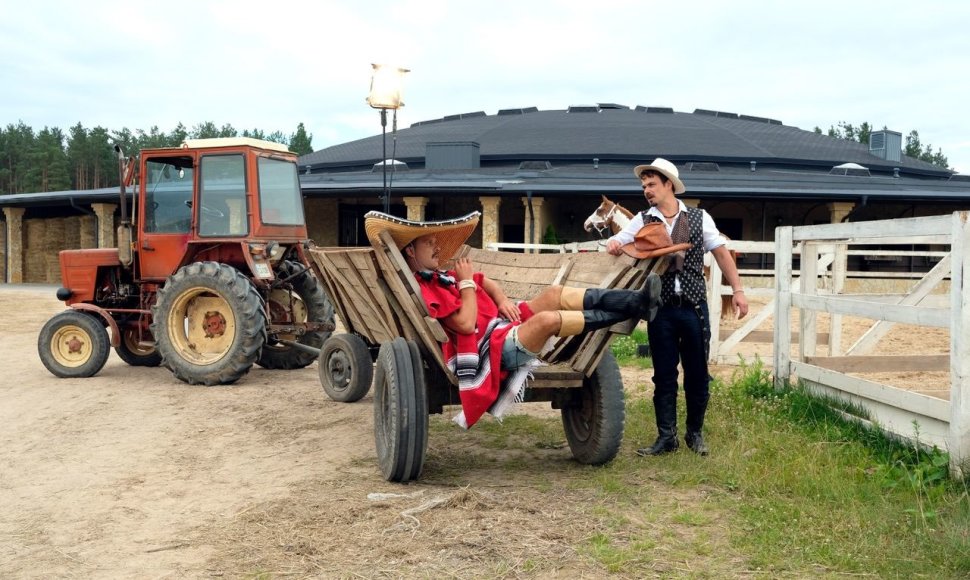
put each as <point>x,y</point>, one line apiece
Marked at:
<point>132,473</point>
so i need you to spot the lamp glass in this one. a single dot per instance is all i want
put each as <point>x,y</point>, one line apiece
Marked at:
<point>386,87</point>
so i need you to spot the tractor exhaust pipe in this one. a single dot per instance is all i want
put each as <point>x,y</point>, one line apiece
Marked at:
<point>121,180</point>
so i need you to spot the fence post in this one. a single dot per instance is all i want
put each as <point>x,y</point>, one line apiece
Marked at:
<point>714,309</point>
<point>839,269</point>
<point>959,439</point>
<point>782,342</point>
<point>807,336</point>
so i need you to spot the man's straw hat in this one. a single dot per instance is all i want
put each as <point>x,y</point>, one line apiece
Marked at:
<point>451,233</point>
<point>661,165</point>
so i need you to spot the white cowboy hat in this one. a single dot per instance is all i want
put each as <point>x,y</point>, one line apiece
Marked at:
<point>451,233</point>
<point>661,165</point>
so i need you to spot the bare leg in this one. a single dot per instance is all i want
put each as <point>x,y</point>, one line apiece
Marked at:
<point>548,299</point>
<point>534,333</point>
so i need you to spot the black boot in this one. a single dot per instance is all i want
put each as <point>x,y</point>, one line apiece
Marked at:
<point>642,304</point>
<point>695,442</point>
<point>666,409</point>
<point>696,410</point>
<point>596,319</point>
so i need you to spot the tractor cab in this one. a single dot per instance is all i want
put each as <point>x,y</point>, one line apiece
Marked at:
<point>219,199</point>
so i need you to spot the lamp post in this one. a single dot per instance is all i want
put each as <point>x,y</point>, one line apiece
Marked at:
<point>385,93</point>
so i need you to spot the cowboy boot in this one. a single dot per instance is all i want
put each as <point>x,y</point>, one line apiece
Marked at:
<point>577,322</point>
<point>642,304</point>
<point>696,409</point>
<point>666,410</point>
<point>695,442</point>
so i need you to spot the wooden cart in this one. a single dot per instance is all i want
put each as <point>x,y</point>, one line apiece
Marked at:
<point>379,302</point>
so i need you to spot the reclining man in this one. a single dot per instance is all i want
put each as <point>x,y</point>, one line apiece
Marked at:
<point>490,335</point>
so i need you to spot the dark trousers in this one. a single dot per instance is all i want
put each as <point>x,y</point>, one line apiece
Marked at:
<point>680,333</point>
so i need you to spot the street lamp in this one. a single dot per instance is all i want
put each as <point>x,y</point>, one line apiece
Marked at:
<point>385,93</point>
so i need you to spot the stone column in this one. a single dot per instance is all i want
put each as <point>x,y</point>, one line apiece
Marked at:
<point>54,237</point>
<point>106,223</point>
<point>838,210</point>
<point>490,220</point>
<point>691,201</point>
<point>539,225</point>
<point>87,232</point>
<point>15,244</point>
<point>416,207</point>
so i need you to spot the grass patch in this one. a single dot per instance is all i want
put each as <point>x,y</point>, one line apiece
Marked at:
<point>790,488</point>
<point>625,349</point>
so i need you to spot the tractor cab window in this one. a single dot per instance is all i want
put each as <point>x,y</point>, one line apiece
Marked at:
<point>222,196</point>
<point>168,195</point>
<point>280,201</point>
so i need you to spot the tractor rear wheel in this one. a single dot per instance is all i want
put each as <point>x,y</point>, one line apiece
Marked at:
<point>73,345</point>
<point>135,353</point>
<point>301,300</point>
<point>208,324</point>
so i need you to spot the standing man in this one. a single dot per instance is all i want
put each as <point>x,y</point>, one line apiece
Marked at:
<point>681,331</point>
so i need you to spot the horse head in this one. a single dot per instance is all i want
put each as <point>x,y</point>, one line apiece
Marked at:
<point>608,215</point>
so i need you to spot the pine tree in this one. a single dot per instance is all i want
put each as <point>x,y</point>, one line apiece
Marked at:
<point>300,142</point>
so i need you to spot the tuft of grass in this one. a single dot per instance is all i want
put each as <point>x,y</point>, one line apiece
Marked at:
<point>625,348</point>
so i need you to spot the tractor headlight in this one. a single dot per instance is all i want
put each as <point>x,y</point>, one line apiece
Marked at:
<point>273,250</point>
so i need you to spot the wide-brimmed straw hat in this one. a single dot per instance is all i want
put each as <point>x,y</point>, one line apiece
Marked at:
<point>451,233</point>
<point>651,241</point>
<point>661,165</point>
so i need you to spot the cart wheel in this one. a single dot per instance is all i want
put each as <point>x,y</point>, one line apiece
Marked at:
<point>594,424</point>
<point>345,367</point>
<point>400,411</point>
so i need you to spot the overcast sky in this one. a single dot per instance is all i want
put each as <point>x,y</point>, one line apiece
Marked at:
<point>271,65</point>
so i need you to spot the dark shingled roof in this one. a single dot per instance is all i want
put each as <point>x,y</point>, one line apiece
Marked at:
<point>610,133</point>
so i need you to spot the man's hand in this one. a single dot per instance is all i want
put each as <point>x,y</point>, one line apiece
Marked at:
<point>464,270</point>
<point>613,247</point>
<point>740,304</point>
<point>509,311</point>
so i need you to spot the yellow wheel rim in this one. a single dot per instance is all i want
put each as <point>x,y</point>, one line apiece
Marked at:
<point>201,326</point>
<point>71,346</point>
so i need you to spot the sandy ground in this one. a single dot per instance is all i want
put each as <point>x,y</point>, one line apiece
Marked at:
<point>132,473</point>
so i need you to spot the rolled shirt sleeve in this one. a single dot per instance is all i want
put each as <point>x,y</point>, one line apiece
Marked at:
<point>625,236</point>
<point>712,237</point>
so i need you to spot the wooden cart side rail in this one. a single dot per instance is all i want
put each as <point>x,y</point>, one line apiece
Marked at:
<point>351,278</point>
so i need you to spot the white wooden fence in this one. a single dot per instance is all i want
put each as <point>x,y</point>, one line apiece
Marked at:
<point>907,414</point>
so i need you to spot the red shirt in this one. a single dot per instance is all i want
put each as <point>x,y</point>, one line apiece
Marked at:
<point>478,391</point>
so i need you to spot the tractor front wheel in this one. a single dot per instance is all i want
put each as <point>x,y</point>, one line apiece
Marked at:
<point>208,324</point>
<point>73,345</point>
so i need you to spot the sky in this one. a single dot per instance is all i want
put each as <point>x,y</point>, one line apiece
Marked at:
<point>271,65</point>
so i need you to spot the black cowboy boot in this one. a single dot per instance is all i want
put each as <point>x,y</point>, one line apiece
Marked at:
<point>696,409</point>
<point>596,319</point>
<point>666,409</point>
<point>695,442</point>
<point>642,303</point>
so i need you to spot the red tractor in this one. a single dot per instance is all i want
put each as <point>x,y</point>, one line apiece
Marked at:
<point>210,278</point>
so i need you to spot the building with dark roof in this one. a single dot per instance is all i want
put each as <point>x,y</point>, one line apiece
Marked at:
<point>536,175</point>
<point>751,173</point>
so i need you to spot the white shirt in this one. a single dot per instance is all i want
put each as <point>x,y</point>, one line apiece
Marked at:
<point>712,238</point>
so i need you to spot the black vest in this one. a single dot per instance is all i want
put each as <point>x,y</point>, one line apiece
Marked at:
<point>692,284</point>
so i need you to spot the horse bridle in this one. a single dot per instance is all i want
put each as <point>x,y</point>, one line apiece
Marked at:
<point>606,220</point>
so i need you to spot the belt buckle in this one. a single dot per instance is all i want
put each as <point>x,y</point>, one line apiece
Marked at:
<point>677,300</point>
